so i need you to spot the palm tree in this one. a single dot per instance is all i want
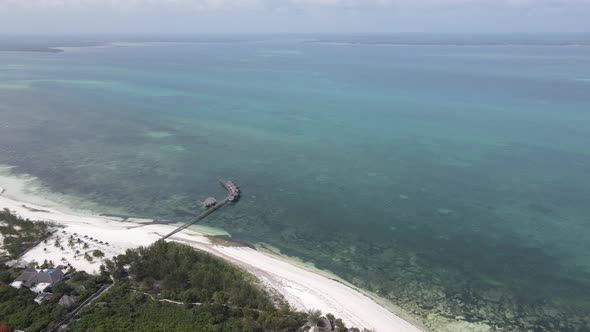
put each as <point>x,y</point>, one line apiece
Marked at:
<point>98,254</point>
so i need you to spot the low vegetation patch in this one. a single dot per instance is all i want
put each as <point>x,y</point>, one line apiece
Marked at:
<point>20,234</point>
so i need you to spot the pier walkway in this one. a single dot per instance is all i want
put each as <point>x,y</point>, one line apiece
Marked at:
<point>233,196</point>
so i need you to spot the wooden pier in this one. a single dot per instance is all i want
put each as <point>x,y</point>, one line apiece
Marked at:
<point>232,196</point>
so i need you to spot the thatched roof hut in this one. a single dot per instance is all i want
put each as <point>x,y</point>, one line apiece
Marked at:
<point>67,301</point>
<point>210,202</point>
<point>325,324</point>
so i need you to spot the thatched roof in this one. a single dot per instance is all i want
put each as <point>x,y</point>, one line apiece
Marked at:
<point>210,201</point>
<point>325,324</point>
<point>67,301</point>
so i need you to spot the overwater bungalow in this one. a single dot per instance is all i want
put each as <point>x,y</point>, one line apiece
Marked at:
<point>210,202</point>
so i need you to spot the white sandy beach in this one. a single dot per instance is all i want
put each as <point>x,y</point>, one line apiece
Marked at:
<point>301,286</point>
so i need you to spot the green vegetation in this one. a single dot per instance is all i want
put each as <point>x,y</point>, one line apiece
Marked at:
<point>164,287</point>
<point>98,254</point>
<point>17,307</point>
<point>20,234</point>
<point>211,295</point>
<point>19,311</point>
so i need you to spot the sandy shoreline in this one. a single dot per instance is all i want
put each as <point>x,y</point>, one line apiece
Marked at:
<point>303,288</point>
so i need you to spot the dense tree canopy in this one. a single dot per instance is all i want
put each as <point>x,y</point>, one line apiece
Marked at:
<point>210,295</point>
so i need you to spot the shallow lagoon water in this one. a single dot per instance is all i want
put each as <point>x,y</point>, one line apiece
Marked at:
<point>452,180</point>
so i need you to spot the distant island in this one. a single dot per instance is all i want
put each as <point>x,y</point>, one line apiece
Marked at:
<point>54,44</point>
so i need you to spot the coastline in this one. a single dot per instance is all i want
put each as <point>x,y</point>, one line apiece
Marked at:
<point>304,287</point>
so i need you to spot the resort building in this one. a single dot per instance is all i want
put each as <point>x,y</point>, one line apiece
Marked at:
<point>42,297</point>
<point>37,281</point>
<point>232,188</point>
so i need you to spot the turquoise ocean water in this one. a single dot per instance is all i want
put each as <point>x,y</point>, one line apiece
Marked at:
<point>451,178</point>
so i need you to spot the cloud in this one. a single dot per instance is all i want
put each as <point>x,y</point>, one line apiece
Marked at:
<point>269,5</point>
<point>33,16</point>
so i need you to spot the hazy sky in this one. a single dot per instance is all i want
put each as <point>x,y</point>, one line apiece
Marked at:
<point>110,16</point>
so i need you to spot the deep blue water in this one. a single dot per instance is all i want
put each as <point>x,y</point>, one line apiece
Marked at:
<point>453,180</point>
